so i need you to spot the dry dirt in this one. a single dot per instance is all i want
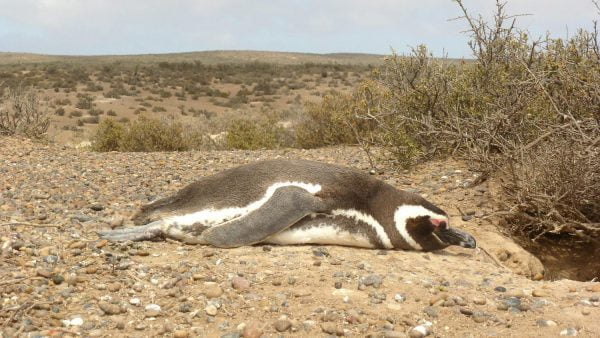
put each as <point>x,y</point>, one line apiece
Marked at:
<point>58,279</point>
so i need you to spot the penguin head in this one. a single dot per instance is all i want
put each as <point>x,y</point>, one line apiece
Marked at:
<point>426,227</point>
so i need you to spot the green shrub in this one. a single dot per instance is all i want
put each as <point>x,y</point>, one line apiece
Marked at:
<point>251,134</point>
<point>146,134</point>
<point>108,136</point>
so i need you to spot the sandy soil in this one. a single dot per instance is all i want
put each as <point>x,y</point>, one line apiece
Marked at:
<point>58,279</point>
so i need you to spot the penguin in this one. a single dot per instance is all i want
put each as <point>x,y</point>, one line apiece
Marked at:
<point>295,201</point>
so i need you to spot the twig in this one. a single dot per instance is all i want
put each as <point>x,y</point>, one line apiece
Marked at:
<point>31,224</point>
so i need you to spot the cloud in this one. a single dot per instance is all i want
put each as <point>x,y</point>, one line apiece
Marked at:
<point>152,26</point>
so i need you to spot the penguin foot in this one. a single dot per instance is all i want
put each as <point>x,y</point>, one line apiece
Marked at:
<point>140,233</point>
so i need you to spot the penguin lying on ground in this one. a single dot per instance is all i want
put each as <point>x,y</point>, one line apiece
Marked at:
<point>295,202</point>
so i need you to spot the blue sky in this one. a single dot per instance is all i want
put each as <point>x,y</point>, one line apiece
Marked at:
<point>94,27</point>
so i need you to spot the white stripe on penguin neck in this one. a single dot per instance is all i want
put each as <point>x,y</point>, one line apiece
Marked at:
<point>214,217</point>
<point>368,219</point>
<point>405,212</point>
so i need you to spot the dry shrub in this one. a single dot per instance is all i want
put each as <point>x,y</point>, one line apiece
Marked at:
<point>524,110</point>
<point>147,135</point>
<point>21,114</point>
<point>554,188</point>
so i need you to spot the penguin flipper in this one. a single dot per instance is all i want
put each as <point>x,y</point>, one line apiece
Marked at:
<point>287,206</point>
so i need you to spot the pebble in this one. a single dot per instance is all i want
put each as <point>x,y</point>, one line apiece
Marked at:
<point>569,332</point>
<point>181,334</point>
<point>135,301</point>
<point>479,300</point>
<point>399,297</point>
<point>212,290</point>
<point>46,273</point>
<point>282,325</point>
<point>252,330</point>
<point>211,310</point>
<point>420,331</point>
<point>545,323</point>
<point>240,283</point>
<point>431,311</point>
<point>500,289</point>
<point>465,311</point>
<point>332,328</point>
<point>539,293</point>
<point>109,309</point>
<point>372,280</point>
<point>114,287</point>
<point>321,252</point>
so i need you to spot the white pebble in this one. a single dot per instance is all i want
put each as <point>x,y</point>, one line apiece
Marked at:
<point>77,321</point>
<point>346,299</point>
<point>135,301</point>
<point>399,298</point>
<point>152,307</point>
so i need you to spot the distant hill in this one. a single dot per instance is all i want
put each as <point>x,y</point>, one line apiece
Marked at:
<point>207,57</point>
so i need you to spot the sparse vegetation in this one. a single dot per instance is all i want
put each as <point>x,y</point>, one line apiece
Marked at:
<point>525,111</point>
<point>21,113</point>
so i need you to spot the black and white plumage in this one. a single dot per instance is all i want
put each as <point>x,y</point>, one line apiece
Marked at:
<point>295,202</point>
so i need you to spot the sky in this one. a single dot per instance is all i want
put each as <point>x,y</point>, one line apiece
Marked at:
<point>99,27</point>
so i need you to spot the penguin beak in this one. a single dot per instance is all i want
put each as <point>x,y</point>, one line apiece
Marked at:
<point>452,236</point>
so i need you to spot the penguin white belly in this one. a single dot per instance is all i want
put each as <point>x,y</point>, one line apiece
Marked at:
<point>322,233</point>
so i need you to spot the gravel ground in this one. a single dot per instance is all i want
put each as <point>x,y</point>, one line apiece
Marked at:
<point>58,279</point>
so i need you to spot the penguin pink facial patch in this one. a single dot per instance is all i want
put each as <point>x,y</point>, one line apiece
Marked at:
<point>440,222</point>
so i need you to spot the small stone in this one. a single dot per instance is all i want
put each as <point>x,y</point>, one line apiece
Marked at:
<point>77,245</point>
<point>338,285</point>
<point>539,293</point>
<point>114,287</point>
<point>431,311</point>
<point>479,300</point>
<point>240,283</point>
<point>372,280</point>
<point>135,301</point>
<point>153,307</point>
<point>185,307</point>
<point>480,316</point>
<point>292,280</point>
<point>569,332</point>
<point>116,221</point>
<point>109,309</point>
<point>438,299</point>
<point>419,331</point>
<point>331,328</point>
<point>181,334</point>
<point>500,289</point>
<point>399,297</point>
<point>282,325</point>
<point>466,311</point>
<point>97,207</point>
<point>212,290</point>
<point>76,321</point>
<point>252,330</point>
<point>211,310</point>
<point>321,252</point>
<point>57,279</point>
<point>466,218</point>
<point>46,273</point>
<point>545,323</point>
<point>585,312</point>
